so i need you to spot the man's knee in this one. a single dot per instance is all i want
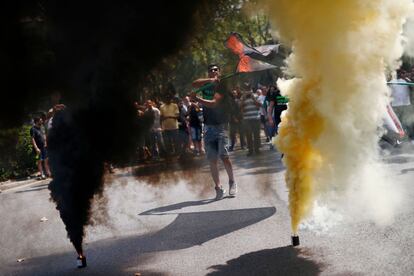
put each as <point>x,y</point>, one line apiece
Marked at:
<point>213,163</point>
<point>225,158</point>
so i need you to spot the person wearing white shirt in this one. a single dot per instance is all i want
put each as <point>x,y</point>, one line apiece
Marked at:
<point>401,102</point>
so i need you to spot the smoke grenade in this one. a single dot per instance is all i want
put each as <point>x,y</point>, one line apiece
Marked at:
<point>81,261</point>
<point>341,51</point>
<point>295,240</point>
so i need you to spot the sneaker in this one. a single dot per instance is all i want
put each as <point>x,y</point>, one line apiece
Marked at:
<point>43,176</point>
<point>219,193</point>
<point>232,189</point>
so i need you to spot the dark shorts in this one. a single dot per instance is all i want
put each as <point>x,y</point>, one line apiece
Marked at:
<point>216,141</point>
<point>42,155</point>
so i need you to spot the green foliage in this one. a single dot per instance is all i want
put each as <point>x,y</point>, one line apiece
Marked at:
<point>17,159</point>
<point>207,46</point>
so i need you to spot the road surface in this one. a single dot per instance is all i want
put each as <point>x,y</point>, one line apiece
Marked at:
<point>160,220</point>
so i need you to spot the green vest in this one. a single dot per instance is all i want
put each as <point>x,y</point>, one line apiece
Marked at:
<point>208,93</point>
<point>282,100</point>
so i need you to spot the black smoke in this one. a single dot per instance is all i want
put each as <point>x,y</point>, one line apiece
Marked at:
<point>95,53</point>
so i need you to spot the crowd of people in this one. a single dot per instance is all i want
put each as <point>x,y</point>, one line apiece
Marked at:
<point>201,123</point>
<point>178,127</point>
<point>211,120</point>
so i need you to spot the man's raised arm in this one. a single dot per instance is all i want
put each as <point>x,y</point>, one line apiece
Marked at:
<point>208,103</point>
<point>200,82</point>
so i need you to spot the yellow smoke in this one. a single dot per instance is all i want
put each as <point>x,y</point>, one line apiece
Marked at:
<point>341,50</point>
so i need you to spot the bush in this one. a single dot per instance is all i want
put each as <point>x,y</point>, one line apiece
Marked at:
<point>16,159</point>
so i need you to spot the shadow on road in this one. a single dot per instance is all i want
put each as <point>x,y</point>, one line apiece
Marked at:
<point>33,189</point>
<point>398,160</point>
<point>265,163</point>
<point>279,261</point>
<point>177,206</point>
<point>405,171</point>
<point>118,255</point>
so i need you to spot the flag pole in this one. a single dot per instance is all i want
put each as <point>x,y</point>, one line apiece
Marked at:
<point>211,84</point>
<point>401,83</point>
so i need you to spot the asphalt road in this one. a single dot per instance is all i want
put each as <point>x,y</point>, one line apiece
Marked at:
<point>160,220</point>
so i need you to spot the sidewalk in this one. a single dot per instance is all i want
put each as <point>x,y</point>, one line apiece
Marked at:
<point>11,184</point>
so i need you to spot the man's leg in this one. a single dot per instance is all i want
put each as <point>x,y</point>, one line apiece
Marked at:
<point>249,135</point>
<point>242,135</point>
<point>224,156</point>
<point>212,156</point>
<point>229,168</point>
<point>49,174</point>
<point>43,169</point>
<point>215,172</point>
<point>263,124</point>
<point>198,146</point>
<point>200,141</point>
<point>167,142</point>
<point>232,135</point>
<point>256,135</point>
<point>160,144</point>
<point>176,141</point>
<point>182,141</point>
<point>212,141</point>
<point>154,147</point>
<point>40,167</point>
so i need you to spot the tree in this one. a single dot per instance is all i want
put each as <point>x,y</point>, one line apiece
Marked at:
<point>207,46</point>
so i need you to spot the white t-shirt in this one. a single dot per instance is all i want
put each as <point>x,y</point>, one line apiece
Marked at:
<point>261,99</point>
<point>157,125</point>
<point>400,94</point>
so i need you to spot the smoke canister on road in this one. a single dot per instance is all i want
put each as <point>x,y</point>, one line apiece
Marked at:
<point>81,261</point>
<point>295,240</point>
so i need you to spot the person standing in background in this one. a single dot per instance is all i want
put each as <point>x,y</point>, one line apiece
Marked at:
<point>155,139</point>
<point>169,121</point>
<point>39,144</point>
<point>251,122</point>
<point>274,109</point>
<point>263,111</point>
<point>236,121</point>
<point>401,101</point>
<point>195,127</point>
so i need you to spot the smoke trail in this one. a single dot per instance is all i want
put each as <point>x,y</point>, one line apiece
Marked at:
<point>409,36</point>
<point>95,53</point>
<point>341,51</point>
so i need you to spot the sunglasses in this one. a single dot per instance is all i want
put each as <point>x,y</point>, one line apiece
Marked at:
<point>214,70</point>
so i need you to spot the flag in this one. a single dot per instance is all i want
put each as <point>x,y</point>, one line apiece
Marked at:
<point>253,59</point>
